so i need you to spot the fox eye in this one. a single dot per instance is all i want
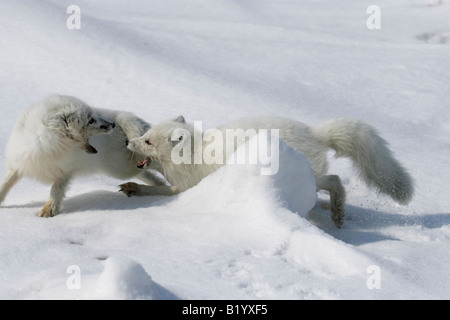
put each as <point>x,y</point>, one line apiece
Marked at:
<point>175,138</point>
<point>91,121</point>
<point>148,142</point>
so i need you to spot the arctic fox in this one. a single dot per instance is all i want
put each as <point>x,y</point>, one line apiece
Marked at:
<point>372,159</point>
<point>54,140</point>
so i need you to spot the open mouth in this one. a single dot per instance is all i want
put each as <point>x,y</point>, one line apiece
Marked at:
<point>142,164</point>
<point>90,149</point>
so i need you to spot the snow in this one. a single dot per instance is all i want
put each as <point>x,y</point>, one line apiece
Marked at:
<point>238,234</point>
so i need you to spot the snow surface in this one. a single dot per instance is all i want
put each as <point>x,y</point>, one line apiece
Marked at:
<point>237,235</point>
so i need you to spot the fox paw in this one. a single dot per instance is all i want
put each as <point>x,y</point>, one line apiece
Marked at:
<point>49,210</point>
<point>129,188</point>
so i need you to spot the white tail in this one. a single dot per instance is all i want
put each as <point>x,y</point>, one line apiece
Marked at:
<point>370,154</point>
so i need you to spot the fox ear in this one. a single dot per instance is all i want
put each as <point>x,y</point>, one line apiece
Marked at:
<point>179,119</point>
<point>58,121</point>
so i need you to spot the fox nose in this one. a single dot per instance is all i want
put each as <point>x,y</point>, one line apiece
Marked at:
<point>106,127</point>
<point>127,142</point>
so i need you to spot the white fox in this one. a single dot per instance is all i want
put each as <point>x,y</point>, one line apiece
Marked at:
<point>372,159</point>
<point>53,142</point>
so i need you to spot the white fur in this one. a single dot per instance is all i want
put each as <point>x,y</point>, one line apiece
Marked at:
<point>61,137</point>
<point>349,138</point>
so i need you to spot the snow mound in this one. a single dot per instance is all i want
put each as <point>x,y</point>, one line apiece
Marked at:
<point>285,173</point>
<point>124,278</point>
<point>286,179</point>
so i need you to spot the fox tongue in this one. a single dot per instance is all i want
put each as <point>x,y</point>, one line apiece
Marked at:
<point>143,163</point>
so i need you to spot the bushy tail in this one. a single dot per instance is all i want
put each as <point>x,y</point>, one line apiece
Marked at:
<point>370,154</point>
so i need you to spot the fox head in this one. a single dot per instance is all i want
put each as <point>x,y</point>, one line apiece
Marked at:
<point>158,143</point>
<point>75,121</point>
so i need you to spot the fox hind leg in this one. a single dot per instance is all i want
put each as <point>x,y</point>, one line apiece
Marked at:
<point>11,178</point>
<point>332,184</point>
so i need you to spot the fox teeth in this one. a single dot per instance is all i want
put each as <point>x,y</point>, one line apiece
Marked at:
<point>143,163</point>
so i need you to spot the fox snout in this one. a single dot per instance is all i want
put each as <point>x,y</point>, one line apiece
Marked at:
<point>108,126</point>
<point>104,126</point>
<point>131,145</point>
